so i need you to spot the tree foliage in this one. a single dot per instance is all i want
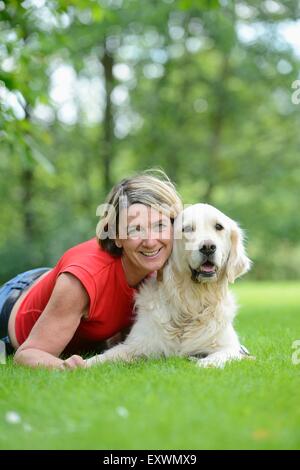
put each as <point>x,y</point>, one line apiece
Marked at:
<point>91,91</point>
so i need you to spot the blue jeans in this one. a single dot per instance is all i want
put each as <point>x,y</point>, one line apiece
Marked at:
<point>9,294</point>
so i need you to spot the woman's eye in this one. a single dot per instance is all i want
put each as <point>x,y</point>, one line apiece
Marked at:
<point>219,227</point>
<point>188,228</point>
<point>134,229</point>
<point>161,226</point>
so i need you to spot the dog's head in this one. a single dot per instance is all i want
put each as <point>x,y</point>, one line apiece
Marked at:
<point>208,245</point>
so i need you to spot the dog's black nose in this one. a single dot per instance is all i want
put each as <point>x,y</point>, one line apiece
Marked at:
<point>207,247</point>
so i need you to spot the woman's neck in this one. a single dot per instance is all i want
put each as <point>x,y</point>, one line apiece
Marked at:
<point>132,274</point>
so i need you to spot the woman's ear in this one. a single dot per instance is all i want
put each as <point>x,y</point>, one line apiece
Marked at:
<point>238,263</point>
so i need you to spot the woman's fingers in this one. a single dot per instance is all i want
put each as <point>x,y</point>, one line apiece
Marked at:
<point>73,362</point>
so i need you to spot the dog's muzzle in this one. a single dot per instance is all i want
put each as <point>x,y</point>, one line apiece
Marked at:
<point>206,270</point>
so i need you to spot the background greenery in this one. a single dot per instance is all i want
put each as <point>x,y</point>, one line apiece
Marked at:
<point>91,91</point>
<point>169,404</point>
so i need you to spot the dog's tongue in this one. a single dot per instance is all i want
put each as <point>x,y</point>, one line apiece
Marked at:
<point>207,268</point>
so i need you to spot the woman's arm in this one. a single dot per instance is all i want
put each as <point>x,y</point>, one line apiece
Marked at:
<point>56,326</point>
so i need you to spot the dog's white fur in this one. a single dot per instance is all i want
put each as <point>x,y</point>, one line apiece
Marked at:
<point>182,316</point>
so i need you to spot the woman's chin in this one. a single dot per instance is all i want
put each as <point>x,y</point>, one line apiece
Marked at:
<point>153,263</point>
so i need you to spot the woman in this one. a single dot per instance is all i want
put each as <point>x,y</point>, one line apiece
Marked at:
<point>87,297</point>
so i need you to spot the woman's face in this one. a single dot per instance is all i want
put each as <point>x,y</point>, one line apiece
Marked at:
<point>146,236</point>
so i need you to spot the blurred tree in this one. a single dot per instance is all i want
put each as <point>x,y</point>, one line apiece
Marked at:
<point>93,90</point>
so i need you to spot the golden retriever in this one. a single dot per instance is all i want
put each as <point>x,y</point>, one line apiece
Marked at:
<point>190,311</point>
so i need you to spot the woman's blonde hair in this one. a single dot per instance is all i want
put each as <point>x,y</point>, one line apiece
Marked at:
<point>152,188</point>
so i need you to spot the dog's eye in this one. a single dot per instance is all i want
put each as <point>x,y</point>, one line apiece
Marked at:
<point>219,227</point>
<point>188,228</point>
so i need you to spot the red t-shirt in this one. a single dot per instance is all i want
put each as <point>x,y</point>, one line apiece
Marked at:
<point>111,299</point>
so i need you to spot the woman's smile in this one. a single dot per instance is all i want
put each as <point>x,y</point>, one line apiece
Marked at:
<point>151,254</point>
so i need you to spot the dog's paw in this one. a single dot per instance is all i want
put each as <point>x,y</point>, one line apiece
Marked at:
<point>219,360</point>
<point>193,358</point>
<point>211,362</point>
<point>245,353</point>
<point>95,360</point>
<point>196,358</point>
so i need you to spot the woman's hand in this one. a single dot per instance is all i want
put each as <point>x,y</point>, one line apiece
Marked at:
<point>56,326</point>
<point>73,362</point>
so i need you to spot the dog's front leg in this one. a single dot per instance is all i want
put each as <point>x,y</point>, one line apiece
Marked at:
<point>121,352</point>
<point>227,349</point>
<point>220,358</point>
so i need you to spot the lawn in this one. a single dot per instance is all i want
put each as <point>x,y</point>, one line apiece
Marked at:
<point>169,404</point>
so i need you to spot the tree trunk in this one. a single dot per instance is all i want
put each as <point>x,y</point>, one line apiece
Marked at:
<point>217,125</point>
<point>27,182</point>
<point>108,137</point>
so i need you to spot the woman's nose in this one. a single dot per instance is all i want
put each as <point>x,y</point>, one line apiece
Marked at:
<point>150,239</point>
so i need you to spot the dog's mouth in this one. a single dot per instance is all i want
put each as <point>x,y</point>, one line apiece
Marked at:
<point>206,270</point>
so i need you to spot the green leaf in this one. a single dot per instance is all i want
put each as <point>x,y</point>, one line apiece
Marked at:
<point>198,4</point>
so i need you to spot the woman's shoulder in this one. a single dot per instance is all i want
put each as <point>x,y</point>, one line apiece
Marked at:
<point>89,248</point>
<point>89,255</point>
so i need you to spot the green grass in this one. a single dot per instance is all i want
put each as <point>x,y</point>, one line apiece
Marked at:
<point>170,404</point>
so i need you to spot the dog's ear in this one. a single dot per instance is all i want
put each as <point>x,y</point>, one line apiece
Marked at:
<point>238,262</point>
